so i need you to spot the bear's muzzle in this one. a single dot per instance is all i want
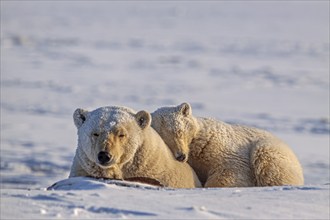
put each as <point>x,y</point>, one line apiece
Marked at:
<point>104,158</point>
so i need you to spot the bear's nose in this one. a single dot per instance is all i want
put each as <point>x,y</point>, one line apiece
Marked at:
<point>181,157</point>
<point>103,157</point>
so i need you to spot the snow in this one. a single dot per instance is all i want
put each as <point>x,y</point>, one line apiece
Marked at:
<point>263,64</point>
<point>86,198</point>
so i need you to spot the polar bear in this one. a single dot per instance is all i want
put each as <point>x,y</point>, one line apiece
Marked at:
<point>115,142</point>
<point>225,155</point>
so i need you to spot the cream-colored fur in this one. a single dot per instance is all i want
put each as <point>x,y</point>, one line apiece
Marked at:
<point>134,147</point>
<point>225,155</point>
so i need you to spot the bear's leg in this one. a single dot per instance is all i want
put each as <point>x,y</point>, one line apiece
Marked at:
<point>229,177</point>
<point>275,165</point>
<point>113,172</point>
<point>77,170</point>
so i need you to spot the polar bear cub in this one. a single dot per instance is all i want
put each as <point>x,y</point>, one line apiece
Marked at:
<point>116,142</point>
<point>225,155</point>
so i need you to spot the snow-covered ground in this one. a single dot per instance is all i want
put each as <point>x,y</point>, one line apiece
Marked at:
<point>83,198</point>
<point>264,64</point>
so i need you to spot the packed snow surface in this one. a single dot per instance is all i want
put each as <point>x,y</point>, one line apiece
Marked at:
<point>262,64</point>
<point>81,197</point>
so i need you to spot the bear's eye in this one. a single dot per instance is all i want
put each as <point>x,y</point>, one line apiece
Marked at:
<point>121,135</point>
<point>95,134</point>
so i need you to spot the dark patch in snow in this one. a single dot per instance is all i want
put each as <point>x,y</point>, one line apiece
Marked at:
<point>41,85</point>
<point>45,197</point>
<point>208,213</point>
<point>267,75</point>
<point>39,109</point>
<point>119,211</point>
<point>47,167</point>
<point>19,181</point>
<point>301,188</point>
<point>318,126</point>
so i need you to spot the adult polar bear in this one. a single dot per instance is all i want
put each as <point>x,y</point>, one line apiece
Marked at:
<point>116,142</point>
<point>225,155</point>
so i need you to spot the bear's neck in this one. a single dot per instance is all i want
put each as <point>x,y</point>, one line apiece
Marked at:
<point>148,157</point>
<point>206,126</point>
<point>203,140</point>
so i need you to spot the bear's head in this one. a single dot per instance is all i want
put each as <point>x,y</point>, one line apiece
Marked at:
<point>177,127</point>
<point>110,135</point>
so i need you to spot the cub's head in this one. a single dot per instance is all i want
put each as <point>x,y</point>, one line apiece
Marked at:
<point>110,135</point>
<point>177,127</point>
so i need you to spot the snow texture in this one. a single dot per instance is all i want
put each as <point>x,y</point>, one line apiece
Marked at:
<point>258,63</point>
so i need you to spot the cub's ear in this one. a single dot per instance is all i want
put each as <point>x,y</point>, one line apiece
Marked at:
<point>79,117</point>
<point>143,119</point>
<point>185,109</point>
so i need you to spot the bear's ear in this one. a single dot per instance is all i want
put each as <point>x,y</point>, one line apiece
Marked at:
<point>185,109</point>
<point>79,117</point>
<point>143,119</point>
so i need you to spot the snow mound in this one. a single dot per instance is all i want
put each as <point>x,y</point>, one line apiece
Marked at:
<point>88,183</point>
